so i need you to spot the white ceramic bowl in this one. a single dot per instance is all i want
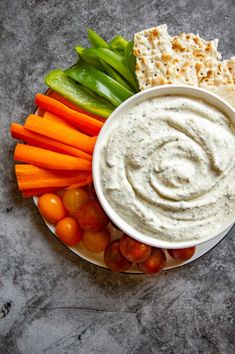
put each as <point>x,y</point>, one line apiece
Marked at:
<point>188,91</point>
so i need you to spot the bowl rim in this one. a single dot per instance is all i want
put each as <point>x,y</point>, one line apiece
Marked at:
<point>164,90</point>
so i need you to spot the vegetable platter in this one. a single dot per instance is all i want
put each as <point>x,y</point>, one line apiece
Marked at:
<point>54,158</point>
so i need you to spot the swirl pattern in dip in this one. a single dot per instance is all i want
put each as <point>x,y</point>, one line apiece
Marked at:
<point>168,168</point>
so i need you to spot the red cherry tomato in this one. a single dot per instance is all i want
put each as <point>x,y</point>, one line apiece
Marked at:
<point>69,231</point>
<point>114,259</point>
<point>96,241</point>
<point>91,216</point>
<point>182,254</point>
<point>73,199</point>
<point>154,263</point>
<point>51,207</point>
<point>134,250</point>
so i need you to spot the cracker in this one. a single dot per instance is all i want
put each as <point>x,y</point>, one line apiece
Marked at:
<point>157,64</point>
<point>162,59</point>
<point>219,80</point>
<point>218,74</point>
<point>231,66</point>
<point>176,69</point>
<point>152,41</point>
<point>184,59</point>
<point>148,45</point>
<point>198,47</point>
<point>201,53</point>
<point>165,69</point>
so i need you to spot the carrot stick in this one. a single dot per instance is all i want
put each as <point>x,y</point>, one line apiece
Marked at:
<point>28,193</point>
<point>19,132</point>
<point>60,133</point>
<point>73,106</point>
<point>49,159</point>
<point>54,118</point>
<point>82,121</point>
<point>87,181</point>
<point>30,177</point>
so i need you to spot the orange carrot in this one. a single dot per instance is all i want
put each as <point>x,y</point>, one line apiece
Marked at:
<point>60,133</point>
<point>87,181</point>
<point>73,106</point>
<point>28,193</point>
<point>19,132</point>
<point>54,118</point>
<point>49,159</point>
<point>31,177</point>
<point>82,121</point>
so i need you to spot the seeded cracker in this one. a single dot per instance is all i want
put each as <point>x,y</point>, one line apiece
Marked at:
<point>152,41</point>
<point>218,74</point>
<point>220,81</point>
<point>231,66</point>
<point>198,47</point>
<point>157,63</point>
<point>202,54</point>
<point>184,59</point>
<point>148,45</point>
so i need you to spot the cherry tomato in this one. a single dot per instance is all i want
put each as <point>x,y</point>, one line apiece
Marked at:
<point>69,231</point>
<point>154,263</point>
<point>96,241</point>
<point>51,207</point>
<point>91,216</point>
<point>114,259</point>
<point>134,250</point>
<point>182,254</point>
<point>73,199</point>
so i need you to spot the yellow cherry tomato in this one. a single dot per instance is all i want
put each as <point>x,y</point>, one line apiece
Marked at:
<point>73,199</point>
<point>51,207</point>
<point>96,241</point>
<point>69,231</point>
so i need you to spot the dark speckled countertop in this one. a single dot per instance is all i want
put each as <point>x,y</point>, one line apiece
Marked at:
<point>52,301</point>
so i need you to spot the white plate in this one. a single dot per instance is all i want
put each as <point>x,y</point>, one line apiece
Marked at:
<point>97,258</point>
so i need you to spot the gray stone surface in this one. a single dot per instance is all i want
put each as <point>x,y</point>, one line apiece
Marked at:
<point>50,300</point>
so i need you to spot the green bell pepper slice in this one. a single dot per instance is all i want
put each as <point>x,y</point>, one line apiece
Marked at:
<point>58,81</point>
<point>89,59</point>
<point>118,43</point>
<point>129,56</point>
<point>102,66</point>
<point>130,60</point>
<point>114,75</point>
<point>95,39</point>
<point>116,61</point>
<point>95,80</point>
